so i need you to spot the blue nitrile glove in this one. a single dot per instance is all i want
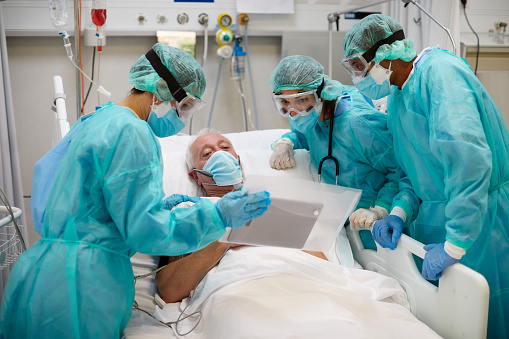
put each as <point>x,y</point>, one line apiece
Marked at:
<point>238,208</point>
<point>381,230</point>
<point>435,261</point>
<point>175,199</point>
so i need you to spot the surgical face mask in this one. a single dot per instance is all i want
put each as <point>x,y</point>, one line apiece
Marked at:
<point>224,168</point>
<point>304,124</point>
<point>376,84</point>
<point>163,120</point>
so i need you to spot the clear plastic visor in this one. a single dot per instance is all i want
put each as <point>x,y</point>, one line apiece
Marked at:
<point>301,104</point>
<point>188,106</point>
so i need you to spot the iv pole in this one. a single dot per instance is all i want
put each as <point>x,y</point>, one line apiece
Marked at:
<point>334,17</point>
<point>77,39</point>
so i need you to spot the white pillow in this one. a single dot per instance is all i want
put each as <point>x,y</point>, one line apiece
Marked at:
<point>254,150</point>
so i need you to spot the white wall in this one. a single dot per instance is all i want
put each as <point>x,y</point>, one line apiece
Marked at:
<point>34,60</point>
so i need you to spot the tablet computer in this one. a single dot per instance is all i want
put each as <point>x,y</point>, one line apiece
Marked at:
<point>286,223</point>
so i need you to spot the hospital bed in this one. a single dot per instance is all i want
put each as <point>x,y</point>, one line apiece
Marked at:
<point>456,308</point>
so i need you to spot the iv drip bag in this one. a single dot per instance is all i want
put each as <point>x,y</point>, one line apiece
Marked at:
<point>58,13</point>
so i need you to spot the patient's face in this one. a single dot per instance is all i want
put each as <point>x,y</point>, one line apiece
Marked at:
<point>202,149</point>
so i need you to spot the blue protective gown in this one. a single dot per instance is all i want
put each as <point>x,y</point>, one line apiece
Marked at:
<point>451,140</point>
<point>104,206</point>
<point>362,145</point>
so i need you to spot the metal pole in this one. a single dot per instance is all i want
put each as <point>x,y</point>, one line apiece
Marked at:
<point>334,16</point>
<point>435,20</point>
<point>77,35</point>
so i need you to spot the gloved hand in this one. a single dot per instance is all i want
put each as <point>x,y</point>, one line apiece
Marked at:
<point>435,261</point>
<point>175,199</point>
<point>237,208</point>
<point>381,230</point>
<point>363,218</point>
<point>282,157</point>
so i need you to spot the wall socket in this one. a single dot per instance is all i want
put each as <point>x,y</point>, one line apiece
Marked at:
<point>91,39</point>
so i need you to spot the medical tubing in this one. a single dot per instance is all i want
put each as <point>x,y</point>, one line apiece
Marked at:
<point>238,85</point>
<point>100,89</point>
<point>191,297</point>
<point>215,92</point>
<point>205,45</point>
<point>477,54</point>
<point>89,87</point>
<point>7,204</point>
<point>135,303</point>
<point>251,79</point>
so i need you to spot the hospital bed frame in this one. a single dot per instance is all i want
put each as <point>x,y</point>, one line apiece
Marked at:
<point>457,308</point>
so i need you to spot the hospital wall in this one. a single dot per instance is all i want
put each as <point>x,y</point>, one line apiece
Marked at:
<point>34,60</point>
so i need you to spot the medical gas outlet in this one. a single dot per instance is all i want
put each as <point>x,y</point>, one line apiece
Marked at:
<point>224,36</point>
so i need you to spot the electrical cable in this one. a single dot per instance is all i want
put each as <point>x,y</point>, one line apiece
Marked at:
<point>90,87</point>
<point>191,297</point>
<point>478,47</point>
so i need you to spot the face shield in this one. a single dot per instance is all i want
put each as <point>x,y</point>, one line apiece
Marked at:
<point>302,104</point>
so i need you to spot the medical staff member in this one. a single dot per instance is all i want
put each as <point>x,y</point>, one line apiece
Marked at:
<point>106,204</point>
<point>451,140</point>
<point>361,142</point>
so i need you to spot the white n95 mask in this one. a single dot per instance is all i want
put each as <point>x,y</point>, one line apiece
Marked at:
<point>163,120</point>
<point>224,169</point>
<point>376,84</point>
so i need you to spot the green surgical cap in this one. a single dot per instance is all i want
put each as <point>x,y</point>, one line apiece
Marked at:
<point>373,28</point>
<point>182,66</point>
<point>303,72</point>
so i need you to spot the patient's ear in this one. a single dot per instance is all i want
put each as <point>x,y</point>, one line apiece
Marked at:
<point>194,176</point>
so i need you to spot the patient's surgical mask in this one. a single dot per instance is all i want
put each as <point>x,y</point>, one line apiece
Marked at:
<point>163,120</point>
<point>376,84</point>
<point>224,168</point>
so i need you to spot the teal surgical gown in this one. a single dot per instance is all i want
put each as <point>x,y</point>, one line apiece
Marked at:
<point>362,145</point>
<point>452,142</point>
<point>104,206</point>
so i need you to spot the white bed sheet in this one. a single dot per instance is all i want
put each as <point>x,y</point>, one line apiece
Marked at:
<point>262,292</point>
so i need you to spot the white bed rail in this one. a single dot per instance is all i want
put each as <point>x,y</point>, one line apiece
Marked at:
<point>457,308</point>
<point>62,125</point>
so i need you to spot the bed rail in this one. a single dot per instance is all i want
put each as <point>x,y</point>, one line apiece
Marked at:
<point>457,308</point>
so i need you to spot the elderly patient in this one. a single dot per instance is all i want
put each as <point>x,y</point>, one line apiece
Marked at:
<point>215,166</point>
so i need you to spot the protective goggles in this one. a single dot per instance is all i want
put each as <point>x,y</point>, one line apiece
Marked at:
<point>301,104</point>
<point>188,104</point>
<point>358,64</point>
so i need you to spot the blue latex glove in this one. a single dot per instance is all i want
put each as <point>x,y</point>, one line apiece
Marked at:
<point>435,261</point>
<point>175,199</point>
<point>381,230</point>
<point>238,208</point>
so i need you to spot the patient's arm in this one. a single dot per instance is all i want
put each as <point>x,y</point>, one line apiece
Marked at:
<point>179,278</point>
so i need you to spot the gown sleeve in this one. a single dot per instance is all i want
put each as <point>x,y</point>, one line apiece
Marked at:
<point>133,196</point>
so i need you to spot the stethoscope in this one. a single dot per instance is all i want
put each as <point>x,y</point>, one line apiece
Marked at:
<point>329,155</point>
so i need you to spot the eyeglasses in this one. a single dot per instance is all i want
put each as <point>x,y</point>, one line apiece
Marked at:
<point>301,104</point>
